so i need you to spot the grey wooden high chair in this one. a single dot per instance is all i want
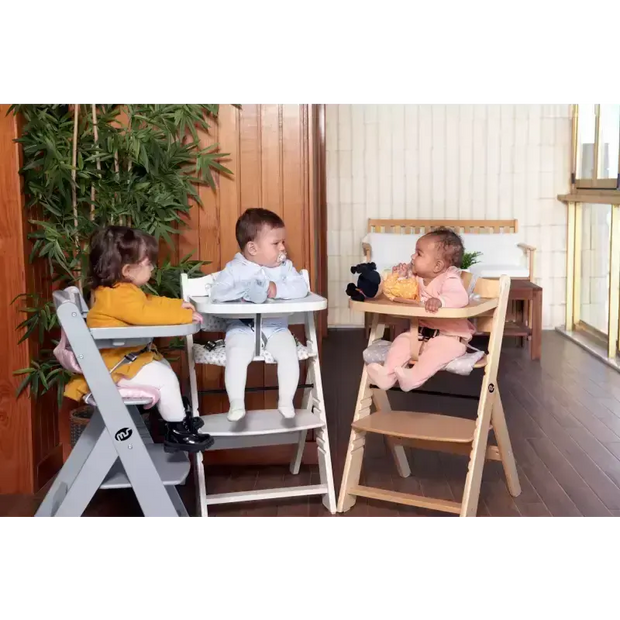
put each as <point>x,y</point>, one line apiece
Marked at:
<point>115,450</point>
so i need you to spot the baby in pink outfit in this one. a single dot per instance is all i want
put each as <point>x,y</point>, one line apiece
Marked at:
<point>435,263</point>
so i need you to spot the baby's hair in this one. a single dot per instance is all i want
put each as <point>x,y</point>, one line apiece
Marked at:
<point>450,245</point>
<point>114,247</point>
<point>252,222</point>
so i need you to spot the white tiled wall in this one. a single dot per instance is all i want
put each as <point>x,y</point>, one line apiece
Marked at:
<point>448,161</point>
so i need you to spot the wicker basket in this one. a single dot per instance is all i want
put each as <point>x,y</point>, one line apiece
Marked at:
<point>81,416</point>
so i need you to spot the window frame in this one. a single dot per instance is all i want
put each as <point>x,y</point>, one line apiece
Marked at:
<point>580,184</point>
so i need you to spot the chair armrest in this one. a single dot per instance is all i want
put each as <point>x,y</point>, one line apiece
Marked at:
<point>367,251</point>
<point>530,251</point>
<point>526,247</point>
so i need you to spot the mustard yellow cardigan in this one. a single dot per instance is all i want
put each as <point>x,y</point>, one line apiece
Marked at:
<point>124,305</point>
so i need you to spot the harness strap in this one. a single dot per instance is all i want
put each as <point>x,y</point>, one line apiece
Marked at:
<point>127,359</point>
<point>415,341</point>
<point>421,335</point>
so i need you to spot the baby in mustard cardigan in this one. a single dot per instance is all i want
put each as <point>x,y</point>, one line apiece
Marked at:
<point>122,260</point>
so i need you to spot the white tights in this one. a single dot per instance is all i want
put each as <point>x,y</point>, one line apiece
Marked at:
<point>161,376</point>
<point>240,352</point>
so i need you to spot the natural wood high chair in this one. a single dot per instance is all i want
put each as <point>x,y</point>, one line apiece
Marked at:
<point>432,431</point>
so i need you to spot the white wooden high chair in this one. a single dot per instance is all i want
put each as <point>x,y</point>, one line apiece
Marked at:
<point>432,431</point>
<point>262,427</point>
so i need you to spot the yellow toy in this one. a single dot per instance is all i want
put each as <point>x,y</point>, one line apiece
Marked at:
<point>397,288</point>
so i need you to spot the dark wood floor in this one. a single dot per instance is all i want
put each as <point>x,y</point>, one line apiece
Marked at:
<point>564,419</point>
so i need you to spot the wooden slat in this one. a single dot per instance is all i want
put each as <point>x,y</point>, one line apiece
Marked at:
<point>407,499</point>
<point>468,226</point>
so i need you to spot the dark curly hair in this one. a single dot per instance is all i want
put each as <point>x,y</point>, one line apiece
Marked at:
<point>450,245</point>
<point>114,247</point>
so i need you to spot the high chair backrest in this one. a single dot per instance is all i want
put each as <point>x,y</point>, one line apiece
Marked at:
<point>63,351</point>
<point>484,287</point>
<point>71,293</point>
<point>201,287</point>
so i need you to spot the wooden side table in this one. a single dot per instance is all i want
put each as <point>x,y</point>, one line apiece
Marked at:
<point>531,324</point>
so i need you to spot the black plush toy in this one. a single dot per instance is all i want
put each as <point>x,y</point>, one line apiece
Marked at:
<point>367,284</point>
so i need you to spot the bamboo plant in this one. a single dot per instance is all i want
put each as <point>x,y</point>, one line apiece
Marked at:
<point>87,166</point>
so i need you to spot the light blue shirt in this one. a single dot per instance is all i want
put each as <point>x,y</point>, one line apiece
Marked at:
<point>241,275</point>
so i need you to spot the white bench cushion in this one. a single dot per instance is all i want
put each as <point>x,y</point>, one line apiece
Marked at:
<point>388,249</point>
<point>484,270</point>
<point>500,253</point>
<point>217,356</point>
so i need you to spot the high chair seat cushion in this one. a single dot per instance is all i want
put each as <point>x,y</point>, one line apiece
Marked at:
<point>377,352</point>
<point>132,394</point>
<point>217,356</point>
<point>211,323</point>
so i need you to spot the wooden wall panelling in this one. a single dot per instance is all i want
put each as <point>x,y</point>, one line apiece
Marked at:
<point>17,441</point>
<point>15,418</point>
<point>29,430</point>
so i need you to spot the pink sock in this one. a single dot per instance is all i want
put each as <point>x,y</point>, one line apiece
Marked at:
<point>407,379</point>
<point>380,377</point>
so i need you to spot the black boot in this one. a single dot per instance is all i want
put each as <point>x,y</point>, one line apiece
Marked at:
<point>184,437</point>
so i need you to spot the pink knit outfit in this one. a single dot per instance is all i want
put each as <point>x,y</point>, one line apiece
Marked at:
<point>437,352</point>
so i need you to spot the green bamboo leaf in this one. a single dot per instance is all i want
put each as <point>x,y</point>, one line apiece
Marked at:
<point>22,386</point>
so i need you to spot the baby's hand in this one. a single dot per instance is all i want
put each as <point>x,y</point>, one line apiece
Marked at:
<point>256,291</point>
<point>272,290</point>
<point>402,269</point>
<point>433,304</point>
<point>187,306</point>
<point>197,317</point>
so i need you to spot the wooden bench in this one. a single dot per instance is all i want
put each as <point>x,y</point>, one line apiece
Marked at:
<point>478,236</point>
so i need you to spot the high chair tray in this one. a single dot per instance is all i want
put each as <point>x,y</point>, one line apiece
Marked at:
<point>382,305</point>
<point>144,331</point>
<point>246,309</point>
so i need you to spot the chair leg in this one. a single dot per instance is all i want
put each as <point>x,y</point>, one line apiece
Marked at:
<point>357,441</point>
<point>397,450</point>
<point>505,448</point>
<point>306,405</point>
<point>92,474</point>
<point>298,454</point>
<point>201,485</point>
<point>469,506</point>
<point>70,470</point>
<point>316,403</point>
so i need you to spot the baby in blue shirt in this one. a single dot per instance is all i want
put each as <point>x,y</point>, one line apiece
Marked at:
<point>258,272</point>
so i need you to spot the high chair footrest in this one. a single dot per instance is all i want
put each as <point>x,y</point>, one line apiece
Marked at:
<point>260,422</point>
<point>416,425</point>
<point>173,469</point>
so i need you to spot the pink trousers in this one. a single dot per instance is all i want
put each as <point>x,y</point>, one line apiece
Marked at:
<point>434,355</point>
